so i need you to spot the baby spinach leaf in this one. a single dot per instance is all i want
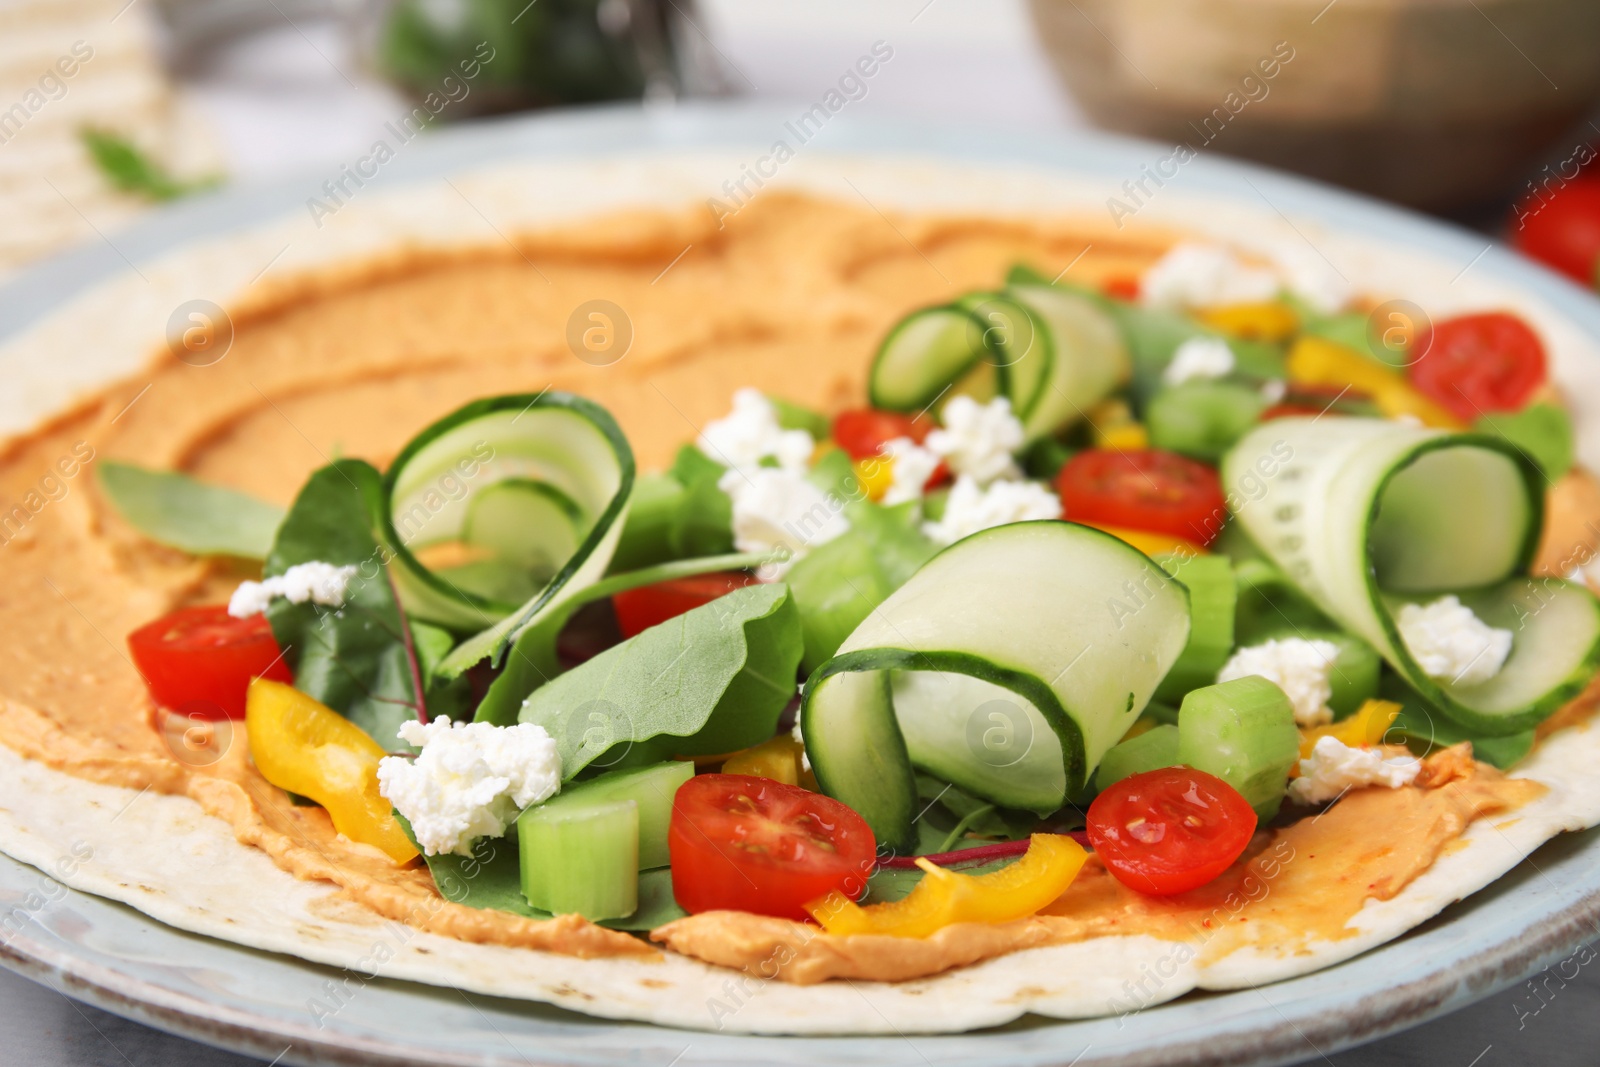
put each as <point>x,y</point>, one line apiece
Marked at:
<point>356,659</point>
<point>711,680</point>
<point>491,878</point>
<point>184,513</point>
<point>128,168</point>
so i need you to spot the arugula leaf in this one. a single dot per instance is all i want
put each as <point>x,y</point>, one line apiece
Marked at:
<point>357,660</point>
<point>491,878</point>
<point>184,513</point>
<point>703,525</point>
<point>1542,432</point>
<point>130,170</point>
<point>711,680</point>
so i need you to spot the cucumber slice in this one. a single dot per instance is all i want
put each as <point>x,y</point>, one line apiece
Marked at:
<point>1086,357</point>
<point>581,858</point>
<point>650,788</point>
<point>1364,515</point>
<point>1424,732</point>
<point>1243,732</point>
<point>563,442</point>
<point>1157,747</point>
<point>1213,596</point>
<point>503,518</point>
<point>1012,695</point>
<point>923,354</point>
<point>1019,348</point>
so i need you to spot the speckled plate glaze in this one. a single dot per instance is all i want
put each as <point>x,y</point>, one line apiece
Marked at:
<point>119,959</point>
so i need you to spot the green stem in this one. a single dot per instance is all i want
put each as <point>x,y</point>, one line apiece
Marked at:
<point>949,843</point>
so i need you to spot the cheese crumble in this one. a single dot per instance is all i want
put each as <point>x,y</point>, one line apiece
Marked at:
<point>1334,767</point>
<point>978,440</point>
<point>1302,668</point>
<point>470,780</point>
<point>971,508</point>
<point>320,583</point>
<point>1452,644</point>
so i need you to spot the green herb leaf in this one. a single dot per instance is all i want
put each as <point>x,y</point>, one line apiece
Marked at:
<point>358,659</point>
<point>703,525</point>
<point>711,680</point>
<point>130,170</point>
<point>179,511</point>
<point>1542,432</point>
<point>491,878</point>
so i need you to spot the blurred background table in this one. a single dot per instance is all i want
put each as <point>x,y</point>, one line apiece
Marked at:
<point>292,98</point>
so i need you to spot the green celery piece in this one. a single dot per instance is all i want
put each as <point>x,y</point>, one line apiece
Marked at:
<point>1202,419</point>
<point>1160,713</point>
<point>354,659</point>
<point>1354,677</point>
<point>184,513</point>
<point>581,858</point>
<point>1243,732</point>
<point>1542,432</point>
<point>711,680</point>
<point>798,417</point>
<point>651,788</point>
<point>658,499</point>
<point>1157,747</point>
<point>491,878</point>
<point>1213,596</point>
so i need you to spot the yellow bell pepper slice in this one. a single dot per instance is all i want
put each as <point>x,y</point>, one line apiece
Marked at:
<point>305,747</point>
<point>1267,320</point>
<point>1367,726</point>
<point>1149,542</point>
<point>1128,437</point>
<point>1318,361</point>
<point>876,475</point>
<point>778,759</point>
<point>945,897</point>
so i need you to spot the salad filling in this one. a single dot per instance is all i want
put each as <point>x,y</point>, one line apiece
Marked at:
<point>1077,605</point>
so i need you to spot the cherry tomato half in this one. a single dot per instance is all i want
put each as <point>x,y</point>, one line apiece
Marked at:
<point>1562,229</point>
<point>863,432</point>
<point>650,605</point>
<point>1477,364</point>
<point>200,660</point>
<point>1171,830</point>
<point>1144,489</point>
<point>1123,287</point>
<point>752,844</point>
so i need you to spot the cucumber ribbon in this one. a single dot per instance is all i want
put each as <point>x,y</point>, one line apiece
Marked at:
<point>1367,515</point>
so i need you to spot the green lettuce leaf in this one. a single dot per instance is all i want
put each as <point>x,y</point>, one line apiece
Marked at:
<point>711,680</point>
<point>191,515</point>
<point>360,660</point>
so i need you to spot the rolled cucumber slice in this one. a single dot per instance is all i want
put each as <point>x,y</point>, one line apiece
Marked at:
<point>1018,347</point>
<point>1007,665</point>
<point>924,353</point>
<point>569,446</point>
<point>1365,515</point>
<point>1082,354</point>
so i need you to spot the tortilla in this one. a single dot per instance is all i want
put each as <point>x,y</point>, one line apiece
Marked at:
<point>161,854</point>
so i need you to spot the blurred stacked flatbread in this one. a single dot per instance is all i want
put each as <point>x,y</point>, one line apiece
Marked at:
<point>66,65</point>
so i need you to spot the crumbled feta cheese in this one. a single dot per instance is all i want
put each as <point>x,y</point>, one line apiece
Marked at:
<point>1334,767</point>
<point>470,780</point>
<point>750,434</point>
<point>774,508</point>
<point>978,439</point>
<point>912,466</point>
<point>1201,276</point>
<point>805,760</point>
<point>1314,280</point>
<point>1273,390</point>
<point>1300,667</point>
<point>970,508</point>
<point>318,582</point>
<point>1199,357</point>
<point>1449,642</point>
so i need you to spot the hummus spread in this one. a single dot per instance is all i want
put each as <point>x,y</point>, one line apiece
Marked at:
<point>791,297</point>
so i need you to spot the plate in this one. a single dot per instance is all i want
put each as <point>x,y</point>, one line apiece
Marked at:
<point>277,1007</point>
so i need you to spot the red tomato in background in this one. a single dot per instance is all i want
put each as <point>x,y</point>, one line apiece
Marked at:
<point>1144,489</point>
<point>649,605</point>
<point>753,844</point>
<point>1562,229</point>
<point>862,432</point>
<point>1171,830</point>
<point>200,660</point>
<point>1123,288</point>
<point>1478,364</point>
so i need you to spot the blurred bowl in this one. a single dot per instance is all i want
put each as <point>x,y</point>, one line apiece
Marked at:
<point>1439,104</point>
